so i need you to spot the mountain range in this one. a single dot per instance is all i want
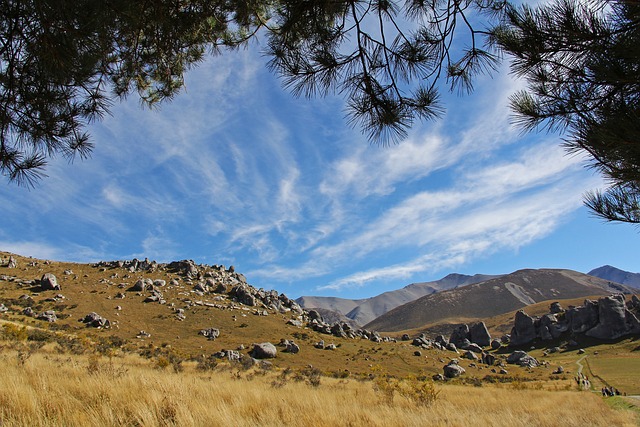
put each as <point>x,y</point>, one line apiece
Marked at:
<point>477,296</point>
<point>363,311</point>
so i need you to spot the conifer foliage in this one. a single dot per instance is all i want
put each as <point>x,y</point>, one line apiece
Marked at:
<point>581,61</point>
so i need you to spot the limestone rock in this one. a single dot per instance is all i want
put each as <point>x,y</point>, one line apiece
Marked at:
<point>290,347</point>
<point>12,262</point>
<point>94,320</point>
<point>48,282</point>
<point>555,308</point>
<point>612,322</point>
<point>523,331</point>
<point>48,316</point>
<point>453,370</point>
<point>479,334</point>
<point>265,350</point>
<point>210,333</point>
<point>142,285</point>
<point>521,358</point>
<point>583,318</point>
<point>459,336</point>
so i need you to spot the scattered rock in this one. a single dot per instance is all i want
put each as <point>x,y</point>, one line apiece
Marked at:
<point>211,333</point>
<point>48,316</point>
<point>12,262</point>
<point>555,308</point>
<point>470,355</point>
<point>142,285</point>
<point>290,346</point>
<point>488,359</point>
<point>49,282</point>
<point>3,308</point>
<point>94,320</point>
<point>453,370</point>
<point>264,350</point>
<point>521,358</point>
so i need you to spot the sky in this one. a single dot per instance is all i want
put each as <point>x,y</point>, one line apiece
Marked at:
<point>237,171</point>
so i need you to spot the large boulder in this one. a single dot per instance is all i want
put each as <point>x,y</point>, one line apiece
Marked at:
<point>12,262</point>
<point>583,318</point>
<point>453,370</point>
<point>142,285</point>
<point>460,336</point>
<point>612,322</point>
<point>265,350</point>
<point>94,320</point>
<point>555,308</point>
<point>524,330</point>
<point>479,334</point>
<point>48,316</point>
<point>244,295</point>
<point>48,282</point>
<point>522,358</point>
<point>290,347</point>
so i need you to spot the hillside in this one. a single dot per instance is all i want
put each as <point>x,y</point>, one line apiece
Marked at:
<point>366,310</point>
<point>493,297</point>
<point>613,274</point>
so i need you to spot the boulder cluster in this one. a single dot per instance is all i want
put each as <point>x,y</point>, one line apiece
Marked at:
<point>465,337</point>
<point>338,329</point>
<point>608,318</point>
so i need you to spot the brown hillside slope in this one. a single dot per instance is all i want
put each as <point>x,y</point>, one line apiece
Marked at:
<point>494,297</point>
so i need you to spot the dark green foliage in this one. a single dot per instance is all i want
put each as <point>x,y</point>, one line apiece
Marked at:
<point>581,61</point>
<point>386,59</point>
<point>62,62</point>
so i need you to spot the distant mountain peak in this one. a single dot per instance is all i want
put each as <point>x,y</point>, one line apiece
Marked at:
<point>614,274</point>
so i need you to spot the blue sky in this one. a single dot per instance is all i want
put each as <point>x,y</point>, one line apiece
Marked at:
<point>236,171</point>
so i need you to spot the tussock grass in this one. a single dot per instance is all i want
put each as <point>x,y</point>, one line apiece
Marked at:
<point>55,390</point>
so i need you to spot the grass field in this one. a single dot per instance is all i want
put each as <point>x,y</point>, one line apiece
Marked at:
<point>64,373</point>
<point>50,389</point>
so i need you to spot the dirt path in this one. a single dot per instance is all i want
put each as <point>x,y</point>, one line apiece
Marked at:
<point>580,367</point>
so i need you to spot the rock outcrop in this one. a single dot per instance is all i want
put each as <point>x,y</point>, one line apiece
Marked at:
<point>608,318</point>
<point>465,335</point>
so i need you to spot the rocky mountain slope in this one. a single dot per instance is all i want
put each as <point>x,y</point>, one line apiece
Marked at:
<point>613,274</point>
<point>495,296</point>
<point>366,310</point>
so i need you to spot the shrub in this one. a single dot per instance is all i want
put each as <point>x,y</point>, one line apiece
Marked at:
<point>309,375</point>
<point>161,362</point>
<point>40,335</point>
<point>206,363</point>
<point>14,332</point>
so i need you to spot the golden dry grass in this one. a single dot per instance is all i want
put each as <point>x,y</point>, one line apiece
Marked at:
<point>60,390</point>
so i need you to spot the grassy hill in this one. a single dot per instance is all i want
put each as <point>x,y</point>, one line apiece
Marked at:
<point>494,297</point>
<point>65,373</point>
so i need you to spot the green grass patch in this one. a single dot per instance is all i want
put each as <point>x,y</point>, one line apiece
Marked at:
<point>620,372</point>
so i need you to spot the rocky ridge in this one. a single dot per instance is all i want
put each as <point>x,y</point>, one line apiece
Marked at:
<point>607,318</point>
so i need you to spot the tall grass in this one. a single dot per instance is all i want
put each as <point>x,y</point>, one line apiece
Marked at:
<point>62,390</point>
